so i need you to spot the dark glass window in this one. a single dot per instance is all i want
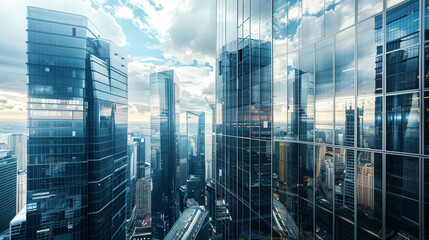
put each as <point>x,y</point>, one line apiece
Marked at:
<point>403,123</point>
<point>402,69</point>
<point>402,196</point>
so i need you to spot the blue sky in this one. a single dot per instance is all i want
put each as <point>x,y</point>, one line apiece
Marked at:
<point>157,35</point>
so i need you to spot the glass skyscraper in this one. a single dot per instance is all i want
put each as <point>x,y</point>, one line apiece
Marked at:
<point>165,135</point>
<point>349,148</point>
<point>77,124</point>
<point>243,119</point>
<point>8,188</point>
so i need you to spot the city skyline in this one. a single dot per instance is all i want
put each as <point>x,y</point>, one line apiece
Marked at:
<point>150,32</point>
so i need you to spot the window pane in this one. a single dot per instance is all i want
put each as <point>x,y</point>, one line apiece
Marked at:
<point>403,123</point>
<point>402,195</point>
<point>369,195</point>
<point>312,21</point>
<point>370,37</point>
<point>306,94</point>
<point>292,96</point>
<point>370,122</point>
<point>279,97</point>
<point>368,8</point>
<point>402,69</point>
<point>344,121</point>
<point>294,25</point>
<point>370,76</point>
<point>344,63</point>
<point>339,15</point>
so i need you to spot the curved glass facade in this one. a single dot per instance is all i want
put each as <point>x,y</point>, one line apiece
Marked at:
<point>349,119</point>
<point>77,124</point>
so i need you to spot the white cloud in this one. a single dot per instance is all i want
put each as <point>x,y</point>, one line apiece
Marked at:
<point>124,12</point>
<point>186,29</point>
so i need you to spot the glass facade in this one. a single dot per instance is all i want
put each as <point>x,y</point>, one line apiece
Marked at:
<point>195,131</point>
<point>243,119</point>
<point>77,124</point>
<point>165,135</point>
<point>349,138</point>
<point>8,187</point>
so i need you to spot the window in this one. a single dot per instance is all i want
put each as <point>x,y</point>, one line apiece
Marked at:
<point>74,32</point>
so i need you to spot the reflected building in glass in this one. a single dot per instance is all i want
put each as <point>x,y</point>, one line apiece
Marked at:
<point>195,131</point>
<point>165,135</point>
<point>243,119</point>
<point>350,119</point>
<point>77,125</point>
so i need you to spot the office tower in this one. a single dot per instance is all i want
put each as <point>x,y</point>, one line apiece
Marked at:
<point>8,173</point>
<point>77,124</point>
<point>131,179</point>
<point>350,119</point>
<point>191,225</point>
<point>18,142</point>
<point>195,132</point>
<point>143,197</point>
<point>141,153</point>
<point>18,226</point>
<point>21,194</point>
<point>164,122</point>
<point>243,119</point>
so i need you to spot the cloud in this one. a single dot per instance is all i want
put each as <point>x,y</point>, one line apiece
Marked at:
<point>185,29</point>
<point>124,12</point>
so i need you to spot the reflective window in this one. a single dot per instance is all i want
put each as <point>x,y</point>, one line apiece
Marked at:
<point>403,123</point>
<point>344,190</point>
<point>344,121</point>
<point>306,94</point>
<point>370,37</point>
<point>369,120</point>
<point>292,96</point>
<point>426,121</point>
<point>426,23</point>
<point>368,8</point>
<point>426,62</point>
<point>324,187</point>
<point>391,3</point>
<point>324,91</point>
<point>279,27</point>
<point>369,195</point>
<point>294,25</point>
<point>402,69</point>
<point>426,198</point>
<point>312,21</point>
<point>344,63</point>
<point>279,97</point>
<point>402,196</point>
<point>402,25</point>
<point>338,15</point>
<point>370,76</point>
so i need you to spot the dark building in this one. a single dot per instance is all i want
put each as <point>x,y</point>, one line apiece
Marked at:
<point>8,173</point>
<point>18,226</point>
<point>191,225</point>
<point>141,153</point>
<point>77,124</point>
<point>165,135</point>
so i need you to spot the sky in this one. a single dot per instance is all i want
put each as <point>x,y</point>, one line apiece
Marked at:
<point>157,35</point>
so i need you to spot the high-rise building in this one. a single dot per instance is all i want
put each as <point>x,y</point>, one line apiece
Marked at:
<point>195,132</point>
<point>18,229</point>
<point>131,179</point>
<point>243,119</point>
<point>164,122</point>
<point>349,119</point>
<point>18,142</point>
<point>77,124</point>
<point>141,153</point>
<point>143,197</point>
<point>21,194</point>
<point>8,174</point>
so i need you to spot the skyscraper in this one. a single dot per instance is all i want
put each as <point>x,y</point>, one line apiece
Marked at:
<point>349,119</point>
<point>243,119</point>
<point>18,142</point>
<point>8,173</point>
<point>195,131</point>
<point>164,122</point>
<point>77,124</point>
<point>141,159</point>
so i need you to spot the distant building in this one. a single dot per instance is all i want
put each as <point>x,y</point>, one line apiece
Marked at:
<point>191,225</point>
<point>21,195</point>
<point>143,197</point>
<point>18,226</point>
<point>143,231</point>
<point>195,186</point>
<point>8,176</point>
<point>164,122</point>
<point>18,142</point>
<point>141,152</point>
<point>131,179</point>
